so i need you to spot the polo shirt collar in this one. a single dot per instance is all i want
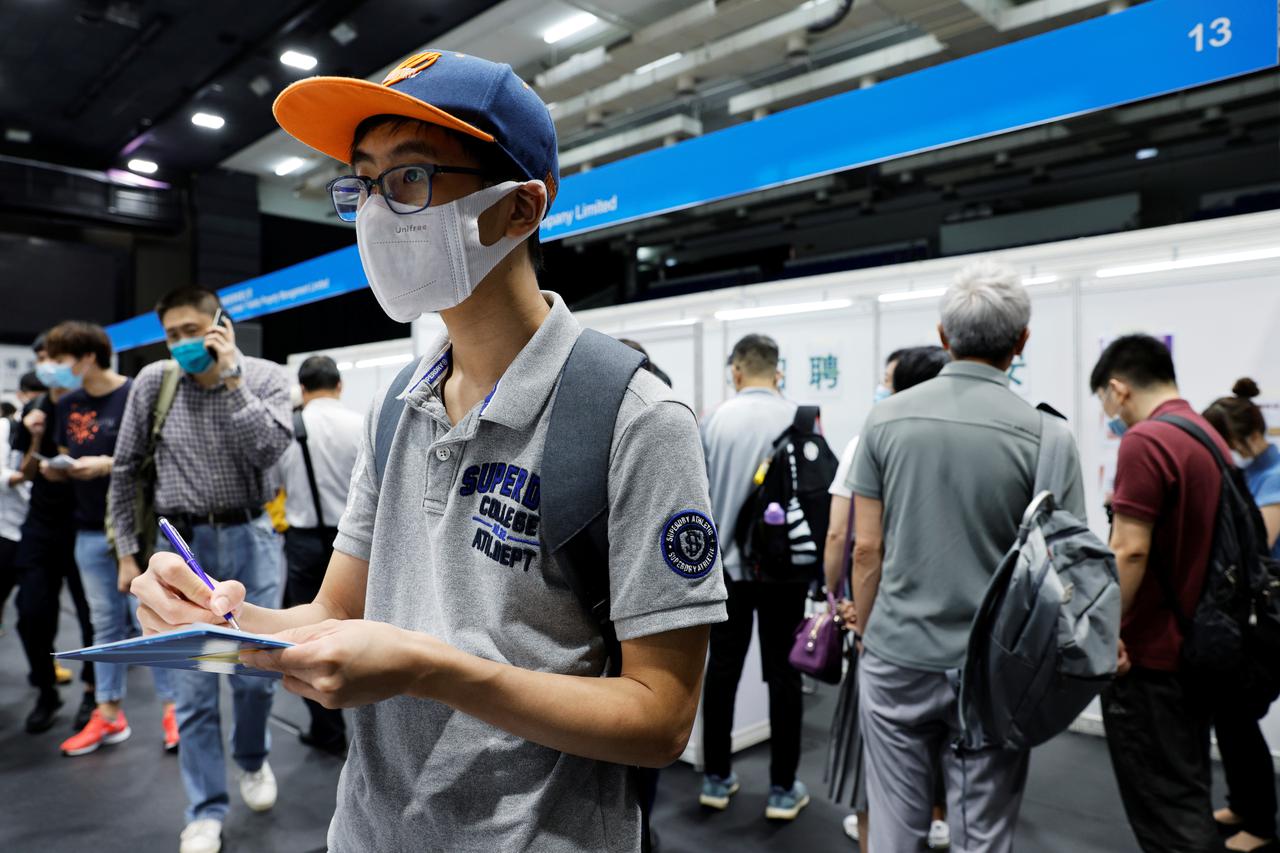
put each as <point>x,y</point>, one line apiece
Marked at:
<point>976,370</point>
<point>520,395</point>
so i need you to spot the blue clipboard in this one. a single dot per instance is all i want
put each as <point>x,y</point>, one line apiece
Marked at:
<point>199,648</point>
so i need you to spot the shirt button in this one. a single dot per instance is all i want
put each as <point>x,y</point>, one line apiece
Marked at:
<point>442,453</point>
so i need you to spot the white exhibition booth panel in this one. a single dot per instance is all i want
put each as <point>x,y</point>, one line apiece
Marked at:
<point>1221,317</point>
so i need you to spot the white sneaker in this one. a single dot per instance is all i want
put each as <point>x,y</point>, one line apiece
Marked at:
<point>258,788</point>
<point>202,836</point>
<point>939,835</point>
<point>851,826</point>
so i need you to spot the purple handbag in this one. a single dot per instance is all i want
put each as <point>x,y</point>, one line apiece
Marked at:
<point>818,649</point>
<point>819,645</point>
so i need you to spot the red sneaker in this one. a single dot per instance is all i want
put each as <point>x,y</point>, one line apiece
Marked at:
<point>97,731</point>
<point>170,724</point>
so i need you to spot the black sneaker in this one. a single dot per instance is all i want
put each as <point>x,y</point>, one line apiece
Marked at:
<point>43,714</point>
<point>84,712</point>
<point>336,747</point>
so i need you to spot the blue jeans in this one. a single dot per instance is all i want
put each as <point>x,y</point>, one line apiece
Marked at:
<point>111,612</point>
<point>253,554</point>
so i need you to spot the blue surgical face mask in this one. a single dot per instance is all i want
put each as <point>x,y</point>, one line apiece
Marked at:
<point>882,393</point>
<point>65,377</point>
<point>191,355</point>
<point>46,372</point>
<point>1117,426</point>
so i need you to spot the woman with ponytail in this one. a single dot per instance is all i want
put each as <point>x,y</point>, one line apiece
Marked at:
<point>1249,819</point>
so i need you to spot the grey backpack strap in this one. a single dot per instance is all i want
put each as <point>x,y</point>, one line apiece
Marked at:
<point>1053,464</point>
<point>575,470</point>
<point>389,419</point>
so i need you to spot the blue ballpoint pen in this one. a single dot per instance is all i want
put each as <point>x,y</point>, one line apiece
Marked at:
<point>175,539</point>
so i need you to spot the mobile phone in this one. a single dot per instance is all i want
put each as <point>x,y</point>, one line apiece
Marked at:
<point>217,322</point>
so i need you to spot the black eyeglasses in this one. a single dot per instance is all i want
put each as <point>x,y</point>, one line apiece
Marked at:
<point>407,188</point>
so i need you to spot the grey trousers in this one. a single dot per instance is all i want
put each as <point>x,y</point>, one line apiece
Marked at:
<point>909,719</point>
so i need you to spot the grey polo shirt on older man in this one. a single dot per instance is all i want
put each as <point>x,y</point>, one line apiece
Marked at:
<point>455,548</point>
<point>953,460</point>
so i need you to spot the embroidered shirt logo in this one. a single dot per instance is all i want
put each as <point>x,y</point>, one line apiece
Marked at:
<point>689,544</point>
<point>411,67</point>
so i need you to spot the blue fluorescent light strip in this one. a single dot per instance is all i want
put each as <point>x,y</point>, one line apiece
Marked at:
<point>1142,52</point>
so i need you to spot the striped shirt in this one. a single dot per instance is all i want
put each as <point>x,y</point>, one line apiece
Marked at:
<point>215,450</point>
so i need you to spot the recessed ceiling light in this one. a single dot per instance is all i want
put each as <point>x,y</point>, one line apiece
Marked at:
<point>908,295</point>
<point>209,120</point>
<point>288,165</point>
<point>1146,153</point>
<point>145,167</point>
<point>295,59</point>
<point>570,26</point>
<point>344,34</point>
<point>17,134</point>
<point>260,86</point>
<point>1033,280</point>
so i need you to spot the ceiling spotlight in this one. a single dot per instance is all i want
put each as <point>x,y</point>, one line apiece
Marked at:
<point>1146,153</point>
<point>570,26</point>
<point>288,166</point>
<point>260,86</point>
<point>344,34</point>
<point>294,59</point>
<point>17,134</point>
<point>209,120</point>
<point>145,167</point>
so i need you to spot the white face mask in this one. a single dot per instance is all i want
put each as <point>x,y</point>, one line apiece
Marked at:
<point>1240,459</point>
<point>431,260</point>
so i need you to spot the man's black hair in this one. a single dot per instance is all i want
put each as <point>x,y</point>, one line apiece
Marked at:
<point>31,384</point>
<point>919,364</point>
<point>896,355</point>
<point>756,354</point>
<point>7,409</point>
<point>204,301</point>
<point>319,373</point>
<point>1140,360</point>
<point>496,165</point>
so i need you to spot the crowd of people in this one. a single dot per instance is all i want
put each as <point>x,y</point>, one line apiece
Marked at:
<point>424,581</point>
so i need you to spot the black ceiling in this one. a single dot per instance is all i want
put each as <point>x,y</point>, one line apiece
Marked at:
<point>97,81</point>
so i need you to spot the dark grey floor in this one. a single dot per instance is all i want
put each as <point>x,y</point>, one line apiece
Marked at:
<point>129,799</point>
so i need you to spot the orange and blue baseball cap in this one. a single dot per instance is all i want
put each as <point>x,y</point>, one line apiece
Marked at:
<point>466,94</point>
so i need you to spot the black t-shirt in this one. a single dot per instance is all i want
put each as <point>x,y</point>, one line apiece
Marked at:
<point>51,503</point>
<point>89,426</point>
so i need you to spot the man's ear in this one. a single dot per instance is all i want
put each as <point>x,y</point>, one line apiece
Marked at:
<point>942,336</point>
<point>1022,342</point>
<point>529,203</point>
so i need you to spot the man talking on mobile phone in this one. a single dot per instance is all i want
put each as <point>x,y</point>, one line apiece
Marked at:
<point>448,616</point>
<point>225,420</point>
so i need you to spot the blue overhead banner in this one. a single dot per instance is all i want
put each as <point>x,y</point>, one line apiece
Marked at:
<point>1153,49</point>
<point>310,281</point>
<point>1159,47</point>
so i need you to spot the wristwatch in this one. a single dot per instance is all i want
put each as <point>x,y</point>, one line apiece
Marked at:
<point>232,372</point>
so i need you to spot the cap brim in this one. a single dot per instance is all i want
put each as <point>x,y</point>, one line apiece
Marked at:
<point>323,112</point>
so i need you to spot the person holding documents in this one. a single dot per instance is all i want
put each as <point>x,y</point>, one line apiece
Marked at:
<point>86,427</point>
<point>228,424</point>
<point>445,619</point>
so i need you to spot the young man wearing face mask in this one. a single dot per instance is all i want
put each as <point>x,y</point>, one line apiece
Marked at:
<point>87,425</point>
<point>1166,502</point>
<point>481,721</point>
<point>229,422</point>
<point>46,552</point>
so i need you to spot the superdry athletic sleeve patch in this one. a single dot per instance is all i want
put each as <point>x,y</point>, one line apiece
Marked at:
<point>664,547</point>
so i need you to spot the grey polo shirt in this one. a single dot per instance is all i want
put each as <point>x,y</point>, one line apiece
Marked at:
<point>736,438</point>
<point>953,460</point>
<point>454,545</point>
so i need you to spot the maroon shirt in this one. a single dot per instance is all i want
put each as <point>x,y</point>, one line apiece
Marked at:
<point>1168,478</point>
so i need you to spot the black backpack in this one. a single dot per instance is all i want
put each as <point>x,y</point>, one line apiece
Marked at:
<point>795,476</point>
<point>575,486</point>
<point>1234,632</point>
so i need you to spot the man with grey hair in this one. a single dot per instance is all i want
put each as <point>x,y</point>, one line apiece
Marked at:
<point>940,481</point>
